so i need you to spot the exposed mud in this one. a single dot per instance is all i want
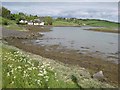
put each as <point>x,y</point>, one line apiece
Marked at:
<point>67,56</point>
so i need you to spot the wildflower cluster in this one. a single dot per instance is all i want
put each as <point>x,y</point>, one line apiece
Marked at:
<point>21,71</point>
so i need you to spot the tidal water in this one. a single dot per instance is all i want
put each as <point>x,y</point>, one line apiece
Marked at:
<point>79,39</point>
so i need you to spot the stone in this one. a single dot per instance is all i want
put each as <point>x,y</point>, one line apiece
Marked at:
<point>99,75</point>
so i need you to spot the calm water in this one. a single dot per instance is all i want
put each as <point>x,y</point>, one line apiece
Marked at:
<point>79,39</point>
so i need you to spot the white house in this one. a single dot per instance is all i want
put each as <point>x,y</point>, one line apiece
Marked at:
<point>38,22</point>
<point>42,23</point>
<point>23,21</point>
<point>30,23</point>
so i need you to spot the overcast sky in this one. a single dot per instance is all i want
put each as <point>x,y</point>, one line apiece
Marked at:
<point>96,10</point>
<point>59,0</point>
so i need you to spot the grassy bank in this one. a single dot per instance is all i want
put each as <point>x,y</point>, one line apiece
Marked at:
<point>99,23</point>
<point>64,23</point>
<point>88,22</point>
<point>110,30</point>
<point>107,26</point>
<point>24,70</point>
<point>19,71</point>
<point>10,24</point>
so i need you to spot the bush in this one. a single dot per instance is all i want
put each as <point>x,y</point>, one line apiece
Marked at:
<point>5,22</point>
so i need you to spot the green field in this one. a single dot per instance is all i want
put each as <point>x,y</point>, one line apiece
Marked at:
<point>102,23</point>
<point>106,25</point>
<point>88,22</point>
<point>64,23</point>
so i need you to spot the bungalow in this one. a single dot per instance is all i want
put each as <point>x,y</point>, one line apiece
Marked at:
<point>35,22</point>
<point>23,21</point>
<point>38,22</point>
<point>42,23</point>
<point>30,23</point>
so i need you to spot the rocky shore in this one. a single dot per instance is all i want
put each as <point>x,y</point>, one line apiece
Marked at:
<point>20,39</point>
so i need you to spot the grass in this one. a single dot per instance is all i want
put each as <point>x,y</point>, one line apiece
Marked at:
<point>111,30</point>
<point>107,26</point>
<point>11,24</point>
<point>101,23</point>
<point>88,22</point>
<point>23,70</point>
<point>19,71</point>
<point>0,66</point>
<point>64,23</point>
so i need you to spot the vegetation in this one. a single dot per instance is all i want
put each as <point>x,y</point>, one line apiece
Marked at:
<point>10,24</point>
<point>11,21</point>
<point>48,20</point>
<point>23,70</point>
<point>104,30</point>
<point>64,23</point>
<point>5,13</point>
<point>88,22</point>
<point>19,71</point>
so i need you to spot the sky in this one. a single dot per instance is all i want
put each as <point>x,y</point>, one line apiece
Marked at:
<point>92,10</point>
<point>60,0</point>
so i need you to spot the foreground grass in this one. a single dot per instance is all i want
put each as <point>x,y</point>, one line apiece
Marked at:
<point>19,71</point>
<point>23,70</point>
<point>0,66</point>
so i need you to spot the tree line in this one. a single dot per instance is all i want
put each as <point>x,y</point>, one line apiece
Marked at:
<point>22,16</point>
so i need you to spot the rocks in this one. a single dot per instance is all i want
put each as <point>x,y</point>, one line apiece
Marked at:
<point>99,76</point>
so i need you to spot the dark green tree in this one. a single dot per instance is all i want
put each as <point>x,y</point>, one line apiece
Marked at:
<point>6,13</point>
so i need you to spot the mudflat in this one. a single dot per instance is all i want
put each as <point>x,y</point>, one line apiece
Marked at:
<point>67,56</point>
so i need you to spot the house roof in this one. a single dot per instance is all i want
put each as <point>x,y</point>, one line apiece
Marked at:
<point>30,22</point>
<point>38,20</point>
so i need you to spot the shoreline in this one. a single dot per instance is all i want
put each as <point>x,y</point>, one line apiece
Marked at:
<point>65,71</point>
<point>93,64</point>
<point>106,31</point>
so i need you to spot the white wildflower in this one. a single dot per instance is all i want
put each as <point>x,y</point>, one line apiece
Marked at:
<point>8,74</point>
<point>45,72</point>
<point>42,66</point>
<point>29,68</point>
<point>38,81</point>
<point>55,74</point>
<point>19,67</point>
<point>40,74</point>
<point>12,82</point>
<point>14,77</point>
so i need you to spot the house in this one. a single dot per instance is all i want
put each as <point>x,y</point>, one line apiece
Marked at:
<point>42,23</point>
<point>30,23</point>
<point>38,22</point>
<point>23,21</point>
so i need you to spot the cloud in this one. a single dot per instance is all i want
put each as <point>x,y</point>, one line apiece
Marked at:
<point>106,11</point>
<point>60,0</point>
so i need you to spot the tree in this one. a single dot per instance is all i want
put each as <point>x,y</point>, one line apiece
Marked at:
<point>6,13</point>
<point>48,20</point>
